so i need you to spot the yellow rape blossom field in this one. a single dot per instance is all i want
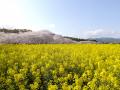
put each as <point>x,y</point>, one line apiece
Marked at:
<point>60,67</point>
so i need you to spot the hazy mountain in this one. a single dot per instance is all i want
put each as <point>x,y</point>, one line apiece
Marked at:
<point>107,40</point>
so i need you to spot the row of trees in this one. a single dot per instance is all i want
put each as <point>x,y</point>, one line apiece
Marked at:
<point>78,39</point>
<point>14,30</point>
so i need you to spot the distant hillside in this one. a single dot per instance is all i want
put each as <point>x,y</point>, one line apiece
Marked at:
<point>27,36</point>
<point>40,37</point>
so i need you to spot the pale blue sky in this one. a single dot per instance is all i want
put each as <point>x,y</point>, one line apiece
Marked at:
<point>80,18</point>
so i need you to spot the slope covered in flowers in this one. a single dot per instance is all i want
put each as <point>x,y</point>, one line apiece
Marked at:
<point>60,67</point>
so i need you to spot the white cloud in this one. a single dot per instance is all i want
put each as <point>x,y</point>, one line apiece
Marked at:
<point>95,32</point>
